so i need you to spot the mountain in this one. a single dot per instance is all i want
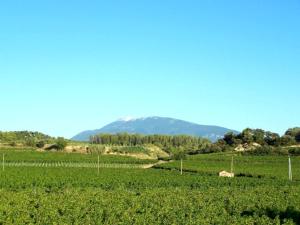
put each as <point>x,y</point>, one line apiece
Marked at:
<point>157,125</point>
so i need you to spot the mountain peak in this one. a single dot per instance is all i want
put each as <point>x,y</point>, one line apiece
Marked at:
<point>131,118</point>
<point>127,119</point>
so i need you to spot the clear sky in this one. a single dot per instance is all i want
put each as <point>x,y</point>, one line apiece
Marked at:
<point>68,66</point>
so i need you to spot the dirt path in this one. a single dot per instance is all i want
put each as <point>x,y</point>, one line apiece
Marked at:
<point>148,166</point>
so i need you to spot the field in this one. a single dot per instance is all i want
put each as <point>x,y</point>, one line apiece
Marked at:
<point>30,155</point>
<point>249,166</point>
<point>82,195</point>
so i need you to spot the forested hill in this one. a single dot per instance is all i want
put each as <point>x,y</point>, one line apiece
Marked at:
<point>157,125</point>
<point>26,138</point>
<point>22,135</point>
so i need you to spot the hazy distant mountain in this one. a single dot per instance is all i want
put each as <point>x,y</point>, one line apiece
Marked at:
<point>157,125</point>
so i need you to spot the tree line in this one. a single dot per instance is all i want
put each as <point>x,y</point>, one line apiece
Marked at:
<point>166,142</point>
<point>259,136</point>
<point>266,142</point>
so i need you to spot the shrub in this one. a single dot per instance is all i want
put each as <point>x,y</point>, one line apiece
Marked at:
<point>294,151</point>
<point>61,143</point>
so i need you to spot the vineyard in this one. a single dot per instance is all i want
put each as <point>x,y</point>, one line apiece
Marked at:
<point>44,194</point>
<point>32,156</point>
<point>250,166</point>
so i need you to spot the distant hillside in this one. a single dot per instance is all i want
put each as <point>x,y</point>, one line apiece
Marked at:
<point>157,125</point>
<point>24,138</point>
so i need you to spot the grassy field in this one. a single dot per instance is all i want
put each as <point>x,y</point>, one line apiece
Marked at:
<point>49,195</point>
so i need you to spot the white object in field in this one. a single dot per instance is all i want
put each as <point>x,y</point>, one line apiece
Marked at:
<point>181,166</point>
<point>231,171</point>
<point>226,174</point>
<point>98,164</point>
<point>290,169</point>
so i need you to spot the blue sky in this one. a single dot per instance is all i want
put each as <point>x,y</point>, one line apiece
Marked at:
<point>67,66</point>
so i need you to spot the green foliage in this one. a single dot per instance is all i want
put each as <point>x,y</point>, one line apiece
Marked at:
<point>188,143</point>
<point>25,139</point>
<point>98,149</point>
<point>61,143</point>
<point>178,154</point>
<point>247,135</point>
<point>266,139</point>
<point>271,150</point>
<point>263,166</point>
<point>267,150</point>
<point>161,206</point>
<point>258,136</point>
<point>272,139</point>
<point>293,131</point>
<point>287,140</point>
<point>219,146</point>
<point>229,138</point>
<point>30,142</point>
<point>294,150</point>
<point>45,195</point>
<point>32,156</point>
<point>130,149</point>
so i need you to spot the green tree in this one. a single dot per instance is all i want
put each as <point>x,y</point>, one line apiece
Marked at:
<point>219,146</point>
<point>286,140</point>
<point>61,143</point>
<point>30,142</point>
<point>297,136</point>
<point>247,136</point>
<point>272,139</point>
<point>258,136</point>
<point>294,132</point>
<point>178,154</point>
<point>229,138</point>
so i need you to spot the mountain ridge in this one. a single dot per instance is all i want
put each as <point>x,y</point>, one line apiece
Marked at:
<point>157,125</point>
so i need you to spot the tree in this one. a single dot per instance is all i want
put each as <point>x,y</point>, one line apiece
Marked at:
<point>98,149</point>
<point>247,136</point>
<point>61,143</point>
<point>286,140</point>
<point>229,138</point>
<point>297,137</point>
<point>219,146</point>
<point>167,143</point>
<point>258,136</point>
<point>272,138</point>
<point>179,154</point>
<point>30,142</point>
<point>294,132</point>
